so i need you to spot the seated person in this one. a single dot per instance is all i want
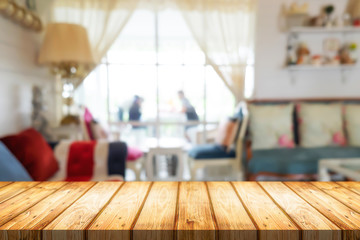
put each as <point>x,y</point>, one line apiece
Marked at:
<point>187,108</point>
<point>135,110</point>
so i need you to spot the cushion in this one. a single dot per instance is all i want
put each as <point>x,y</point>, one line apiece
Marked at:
<point>10,168</point>
<point>352,123</point>
<point>210,151</point>
<point>296,160</point>
<point>134,154</point>
<point>271,126</point>
<point>90,160</point>
<point>31,149</point>
<point>98,131</point>
<point>320,125</point>
<point>227,132</point>
<point>86,120</point>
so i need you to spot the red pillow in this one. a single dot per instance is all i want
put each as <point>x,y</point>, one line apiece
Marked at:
<point>31,149</point>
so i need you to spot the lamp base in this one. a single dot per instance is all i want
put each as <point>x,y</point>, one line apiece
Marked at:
<point>70,119</point>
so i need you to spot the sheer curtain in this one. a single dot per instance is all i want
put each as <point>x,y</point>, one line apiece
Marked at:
<point>225,31</point>
<point>103,19</point>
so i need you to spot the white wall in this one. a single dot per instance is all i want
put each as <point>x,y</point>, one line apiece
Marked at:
<point>273,81</point>
<point>18,73</point>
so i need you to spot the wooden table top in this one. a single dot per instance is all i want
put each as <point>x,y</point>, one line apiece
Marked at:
<point>179,210</point>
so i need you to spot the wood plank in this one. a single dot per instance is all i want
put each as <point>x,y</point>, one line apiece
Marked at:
<point>231,217</point>
<point>314,224</point>
<point>271,221</point>
<point>344,195</point>
<point>157,218</point>
<point>344,217</point>
<point>195,219</point>
<point>353,186</point>
<point>72,223</point>
<point>117,218</point>
<point>3,184</point>
<point>14,189</point>
<point>23,201</point>
<point>28,224</point>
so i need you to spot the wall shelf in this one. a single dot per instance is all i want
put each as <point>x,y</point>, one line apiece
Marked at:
<point>294,34</point>
<point>305,68</point>
<point>298,30</point>
<point>321,68</point>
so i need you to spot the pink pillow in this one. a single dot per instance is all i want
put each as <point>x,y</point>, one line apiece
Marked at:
<point>339,139</point>
<point>286,142</point>
<point>134,154</point>
<point>88,118</point>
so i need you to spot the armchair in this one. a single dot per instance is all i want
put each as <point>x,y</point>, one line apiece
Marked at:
<point>215,155</point>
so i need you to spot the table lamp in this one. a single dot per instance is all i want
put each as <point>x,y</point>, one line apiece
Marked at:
<point>66,50</point>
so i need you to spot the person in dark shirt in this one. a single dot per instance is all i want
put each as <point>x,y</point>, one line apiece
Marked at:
<point>135,109</point>
<point>187,108</point>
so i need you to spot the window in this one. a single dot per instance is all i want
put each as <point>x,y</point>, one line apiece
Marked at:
<point>154,57</point>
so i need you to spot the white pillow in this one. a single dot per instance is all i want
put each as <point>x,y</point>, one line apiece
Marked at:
<point>352,124</point>
<point>271,126</point>
<point>321,125</point>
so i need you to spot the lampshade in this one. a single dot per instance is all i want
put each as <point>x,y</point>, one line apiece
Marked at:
<point>65,43</point>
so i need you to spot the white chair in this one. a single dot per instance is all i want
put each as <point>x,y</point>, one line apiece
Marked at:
<point>153,152</point>
<point>135,166</point>
<point>234,161</point>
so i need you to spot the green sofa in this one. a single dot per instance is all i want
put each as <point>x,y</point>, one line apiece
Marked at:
<point>296,163</point>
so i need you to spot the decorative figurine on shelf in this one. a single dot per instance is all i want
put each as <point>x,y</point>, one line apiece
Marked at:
<point>303,54</point>
<point>353,52</point>
<point>356,22</point>
<point>296,15</point>
<point>335,61</point>
<point>329,9</point>
<point>298,9</point>
<point>291,56</point>
<point>318,21</point>
<point>347,54</point>
<point>316,60</point>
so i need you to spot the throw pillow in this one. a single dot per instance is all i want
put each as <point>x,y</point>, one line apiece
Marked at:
<point>98,131</point>
<point>10,168</point>
<point>320,125</point>
<point>352,124</point>
<point>34,153</point>
<point>85,121</point>
<point>271,126</point>
<point>226,132</point>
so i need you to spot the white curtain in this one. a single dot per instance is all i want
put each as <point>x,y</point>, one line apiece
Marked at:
<point>103,19</point>
<point>225,31</point>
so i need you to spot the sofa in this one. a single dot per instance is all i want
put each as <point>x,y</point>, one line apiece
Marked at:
<point>298,161</point>
<point>27,156</point>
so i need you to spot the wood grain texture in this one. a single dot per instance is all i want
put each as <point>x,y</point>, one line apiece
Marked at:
<point>353,186</point>
<point>344,195</point>
<point>23,201</point>
<point>157,218</point>
<point>2,184</point>
<point>231,217</point>
<point>13,189</point>
<point>195,218</point>
<point>72,223</point>
<point>314,225</point>
<point>117,218</point>
<point>344,217</point>
<point>28,224</point>
<point>269,218</point>
<point>174,211</point>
